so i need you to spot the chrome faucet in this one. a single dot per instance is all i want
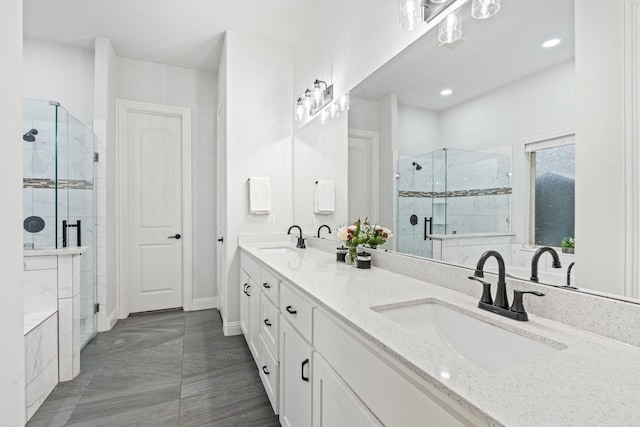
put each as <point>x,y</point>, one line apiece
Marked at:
<point>536,257</point>
<point>323,226</point>
<point>300,243</point>
<point>501,304</point>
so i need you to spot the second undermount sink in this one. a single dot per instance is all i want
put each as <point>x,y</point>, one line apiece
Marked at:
<point>483,344</point>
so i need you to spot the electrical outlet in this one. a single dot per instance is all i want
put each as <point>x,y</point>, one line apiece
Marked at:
<point>312,219</point>
<point>272,219</point>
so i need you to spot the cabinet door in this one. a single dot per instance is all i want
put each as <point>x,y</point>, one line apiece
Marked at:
<point>244,304</point>
<point>254,321</point>
<point>295,378</point>
<point>334,404</point>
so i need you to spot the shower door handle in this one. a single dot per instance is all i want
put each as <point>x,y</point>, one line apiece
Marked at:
<point>430,222</point>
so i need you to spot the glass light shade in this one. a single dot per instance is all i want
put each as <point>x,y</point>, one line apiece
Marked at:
<point>411,14</point>
<point>317,94</point>
<point>323,117</point>
<point>343,102</point>
<point>333,111</point>
<point>307,101</point>
<point>483,9</point>
<point>450,29</point>
<point>299,115</point>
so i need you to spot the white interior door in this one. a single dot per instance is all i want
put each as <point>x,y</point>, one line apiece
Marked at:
<point>154,171</point>
<point>363,175</point>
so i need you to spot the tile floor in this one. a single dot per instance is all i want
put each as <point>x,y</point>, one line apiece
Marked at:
<point>162,369</point>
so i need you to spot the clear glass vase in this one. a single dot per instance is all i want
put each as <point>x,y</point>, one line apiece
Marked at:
<point>352,256</point>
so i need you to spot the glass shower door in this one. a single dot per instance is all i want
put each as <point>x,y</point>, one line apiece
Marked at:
<point>415,206</point>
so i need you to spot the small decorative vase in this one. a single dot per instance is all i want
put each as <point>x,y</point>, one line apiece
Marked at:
<point>567,250</point>
<point>352,256</point>
<point>373,246</point>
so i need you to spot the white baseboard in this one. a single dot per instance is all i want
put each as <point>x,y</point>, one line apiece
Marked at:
<point>204,303</point>
<point>112,318</point>
<point>231,328</point>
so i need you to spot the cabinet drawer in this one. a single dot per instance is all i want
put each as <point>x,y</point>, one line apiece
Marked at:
<point>250,266</point>
<point>296,309</point>
<point>269,325</point>
<point>269,374</point>
<point>270,285</point>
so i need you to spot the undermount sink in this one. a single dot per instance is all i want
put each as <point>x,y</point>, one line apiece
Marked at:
<point>488,346</point>
<point>278,250</point>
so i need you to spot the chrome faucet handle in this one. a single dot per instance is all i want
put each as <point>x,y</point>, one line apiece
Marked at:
<point>486,290</point>
<point>518,306</point>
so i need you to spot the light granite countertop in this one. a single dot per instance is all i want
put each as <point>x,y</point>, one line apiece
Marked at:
<point>594,381</point>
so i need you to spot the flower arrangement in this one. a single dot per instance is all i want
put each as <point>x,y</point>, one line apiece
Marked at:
<point>568,245</point>
<point>360,233</point>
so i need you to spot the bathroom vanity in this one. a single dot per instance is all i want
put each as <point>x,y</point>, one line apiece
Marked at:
<point>335,343</point>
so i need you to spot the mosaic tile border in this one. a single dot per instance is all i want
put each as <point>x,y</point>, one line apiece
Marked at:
<point>62,183</point>
<point>498,191</point>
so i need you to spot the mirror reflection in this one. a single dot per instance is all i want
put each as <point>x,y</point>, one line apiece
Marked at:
<point>469,146</point>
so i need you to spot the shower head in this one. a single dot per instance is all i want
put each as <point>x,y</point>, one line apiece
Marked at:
<point>30,136</point>
<point>418,167</point>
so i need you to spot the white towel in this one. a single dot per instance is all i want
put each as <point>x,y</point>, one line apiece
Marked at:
<point>325,198</point>
<point>259,195</point>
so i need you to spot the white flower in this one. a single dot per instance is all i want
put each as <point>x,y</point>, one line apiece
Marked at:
<point>343,234</point>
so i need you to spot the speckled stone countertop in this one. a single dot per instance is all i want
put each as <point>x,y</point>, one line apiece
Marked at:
<point>594,381</point>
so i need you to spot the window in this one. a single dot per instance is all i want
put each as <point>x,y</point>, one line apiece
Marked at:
<point>552,190</point>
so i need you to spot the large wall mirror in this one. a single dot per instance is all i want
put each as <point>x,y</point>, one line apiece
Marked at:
<point>469,146</point>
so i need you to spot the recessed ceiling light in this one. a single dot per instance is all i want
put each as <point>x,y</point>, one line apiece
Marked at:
<point>446,92</point>
<point>551,43</point>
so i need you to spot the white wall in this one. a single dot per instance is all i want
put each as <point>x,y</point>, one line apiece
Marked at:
<point>418,131</point>
<point>163,84</point>
<point>320,152</point>
<point>56,72</point>
<point>363,115</point>
<point>12,357</point>
<point>259,115</point>
<point>104,125</point>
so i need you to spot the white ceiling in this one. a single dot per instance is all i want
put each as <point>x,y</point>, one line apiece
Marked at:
<point>184,33</point>
<point>494,52</point>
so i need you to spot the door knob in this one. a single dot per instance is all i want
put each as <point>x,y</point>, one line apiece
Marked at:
<point>177,236</point>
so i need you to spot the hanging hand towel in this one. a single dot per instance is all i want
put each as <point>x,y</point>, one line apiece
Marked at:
<point>325,197</point>
<point>259,195</point>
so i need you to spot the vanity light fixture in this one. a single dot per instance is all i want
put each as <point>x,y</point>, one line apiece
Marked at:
<point>319,99</point>
<point>450,29</point>
<point>323,117</point>
<point>551,43</point>
<point>446,92</point>
<point>483,9</point>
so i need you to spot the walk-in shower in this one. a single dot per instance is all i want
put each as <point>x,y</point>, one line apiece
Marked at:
<point>448,192</point>
<point>58,191</point>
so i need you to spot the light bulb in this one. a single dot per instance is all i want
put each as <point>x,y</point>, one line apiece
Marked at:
<point>343,102</point>
<point>439,1</point>
<point>483,9</point>
<point>317,94</point>
<point>307,101</point>
<point>323,118</point>
<point>450,29</point>
<point>551,43</point>
<point>299,110</point>
<point>411,16</point>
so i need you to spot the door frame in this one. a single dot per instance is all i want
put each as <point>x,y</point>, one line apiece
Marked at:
<point>123,107</point>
